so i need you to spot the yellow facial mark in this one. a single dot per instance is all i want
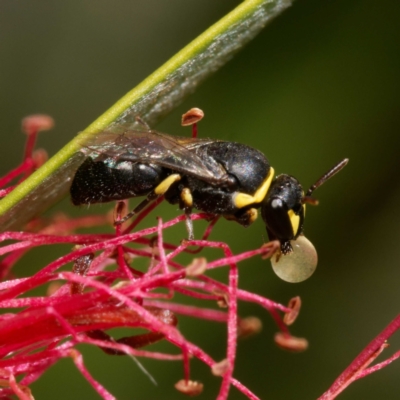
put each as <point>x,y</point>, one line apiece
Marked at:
<point>166,183</point>
<point>243,199</point>
<point>186,197</point>
<point>294,221</point>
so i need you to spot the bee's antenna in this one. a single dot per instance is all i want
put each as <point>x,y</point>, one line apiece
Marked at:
<point>333,171</point>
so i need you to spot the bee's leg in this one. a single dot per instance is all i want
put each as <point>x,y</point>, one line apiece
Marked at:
<point>137,209</point>
<point>244,218</point>
<point>160,189</point>
<point>136,341</point>
<point>187,202</point>
<point>150,197</point>
<point>189,223</point>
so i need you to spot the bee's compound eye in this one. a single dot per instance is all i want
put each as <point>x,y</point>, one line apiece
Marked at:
<point>298,265</point>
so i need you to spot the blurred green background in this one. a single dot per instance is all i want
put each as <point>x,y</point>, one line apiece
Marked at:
<point>319,84</point>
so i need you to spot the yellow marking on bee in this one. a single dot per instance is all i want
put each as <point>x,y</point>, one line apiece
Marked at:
<point>245,220</point>
<point>166,183</point>
<point>243,199</point>
<point>294,221</point>
<point>253,214</point>
<point>186,197</point>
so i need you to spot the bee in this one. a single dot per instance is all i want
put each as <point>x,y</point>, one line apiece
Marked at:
<point>214,176</point>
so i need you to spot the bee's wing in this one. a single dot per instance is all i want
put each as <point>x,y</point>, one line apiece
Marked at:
<point>176,153</point>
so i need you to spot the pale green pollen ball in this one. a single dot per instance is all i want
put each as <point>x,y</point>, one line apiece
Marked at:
<point>299,265</point>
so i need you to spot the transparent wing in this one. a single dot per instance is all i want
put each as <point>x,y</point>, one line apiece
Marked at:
<point>176,153</point>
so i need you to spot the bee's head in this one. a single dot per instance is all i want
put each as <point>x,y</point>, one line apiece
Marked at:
<point>283,208</point>
<point>283,211</point>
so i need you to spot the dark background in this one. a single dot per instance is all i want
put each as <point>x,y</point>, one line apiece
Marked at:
<point>319,84</point>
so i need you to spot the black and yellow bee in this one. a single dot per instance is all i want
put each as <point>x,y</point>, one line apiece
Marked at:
<point>217,177</point>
